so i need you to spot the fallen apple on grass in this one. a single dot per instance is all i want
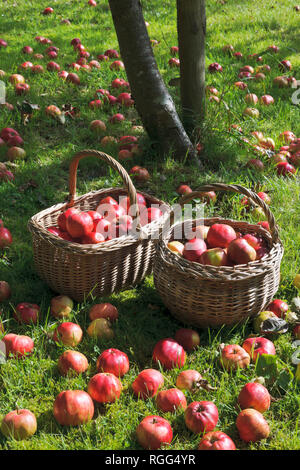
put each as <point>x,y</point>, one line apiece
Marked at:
<point>68,333</point>
<point>113,361</point>
<point>61,306</point>
<point>73,407</point>
<point>254,395</point>
<point>72,363</point>
<point>169,354</point>
<point>216,440</point>
<point>27,313</point>
<point>279,307</point>
<point>201,416</point>
<point>104,388</point>
<point>153,432</point>
<point>189,339</point>
<point>100,328</point>
<point>252,426</point>
<point>147,383</point>
<point>257,346</point>
<point>233,357</point>
<point>19,424</point>
<point>104,310</point>
<point>188,380</point>
<point>5,290</point>
<point>18,346</point>
<point>170,400</point>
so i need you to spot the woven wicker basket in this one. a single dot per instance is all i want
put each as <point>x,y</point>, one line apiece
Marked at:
<point>77,270</point>
<point>202,295</point>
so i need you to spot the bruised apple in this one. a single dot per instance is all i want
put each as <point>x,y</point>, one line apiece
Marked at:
<point>188,379</point>
<point>27,313</point>
<point>214,257</point>
<point>252,426</point>
<point>234,356</point>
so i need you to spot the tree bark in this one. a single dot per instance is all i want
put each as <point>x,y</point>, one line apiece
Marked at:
<point>191,27</point>
<point>152,99</point>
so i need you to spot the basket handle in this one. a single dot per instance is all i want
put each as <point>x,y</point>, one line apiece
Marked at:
<point>113,164</point>
<point>236,188</point>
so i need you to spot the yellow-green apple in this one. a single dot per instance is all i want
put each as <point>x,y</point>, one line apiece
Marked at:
<point>19,424</point>
<point>214,257</point>
<point>296,281</point>
<point>61,306</point>
<point>100,328</point>
<point>252,112</point>
<point>176,246</point>
<point>257,322</point>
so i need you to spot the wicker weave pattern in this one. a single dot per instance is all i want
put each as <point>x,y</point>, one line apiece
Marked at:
<point>76,270</point>
<point>202,295</point>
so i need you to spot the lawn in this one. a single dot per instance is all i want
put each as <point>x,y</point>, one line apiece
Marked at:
<point>41,180</point>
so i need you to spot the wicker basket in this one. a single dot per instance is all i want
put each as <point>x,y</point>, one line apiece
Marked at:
<point>202,295</point>
<point>77,270</point>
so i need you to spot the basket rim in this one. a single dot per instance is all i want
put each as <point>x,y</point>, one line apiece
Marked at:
<point>36,227</point>
<point>221,273</point>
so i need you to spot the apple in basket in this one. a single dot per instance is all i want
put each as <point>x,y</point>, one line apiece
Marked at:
<point>79,224</point>
<point>62,218</point>
<point>193,249</point>
<point>176,247</point>
<point>220,235</point>
<point>240,252</point>
<point>214,257</point>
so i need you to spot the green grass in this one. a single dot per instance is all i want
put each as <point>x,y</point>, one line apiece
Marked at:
<point>143,320</point>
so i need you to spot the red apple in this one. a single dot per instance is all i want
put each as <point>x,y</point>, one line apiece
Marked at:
<point>285,169</point>
<point>37,69</point>
<point>257,346</point>
<point>201,416</point>
<point>193,249</point>
<point>5,290</point>
<point>187,338</point>
<point>48,11</point>
<point>27,313</point>
<point>117,65</point>
<point>169,354</point>
<point>5,238</point>
<point>62,218</point>
<point>15,153</point>
<point>139,174</point>
<point>104,388</point>
<point>112,53</point>
<point>252,240</point>
<point>216,440</point>
<point>61,306</point>
<point>114,362</point>
<point>174,50</point>
<point>73,78</point>
<point>234,356</point>
<point>104,310</point>
<point>170,400</point>
<point>240,252</point>
<point>73,407</point>
<point>266,100</point>
<point>18,345</point>
<point>254,395</point>
<point>19,424</point>
<point>92,238</point>
<point>147,383</point>
<point>53,67</point>
<point>279,307</point>
<point>15,79</point>
<point>251,98</point>
<point>215,67</point>
<point>220,235</point>
<point>153,432</point>
<point>98,126</point>
<point>70,334</point>
<point>252,426</point>
<point>72,363</point>
<point>285,65</point>
<point>184,189</point>
<point>79,224</point>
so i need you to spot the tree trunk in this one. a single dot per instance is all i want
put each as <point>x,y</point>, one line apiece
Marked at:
<point>191,27</point>
<point>152,99</point>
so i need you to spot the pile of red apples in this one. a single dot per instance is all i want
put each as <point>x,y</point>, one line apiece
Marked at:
<point>220,245</point>
<point>12,143</point>
<point>109,220</point>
